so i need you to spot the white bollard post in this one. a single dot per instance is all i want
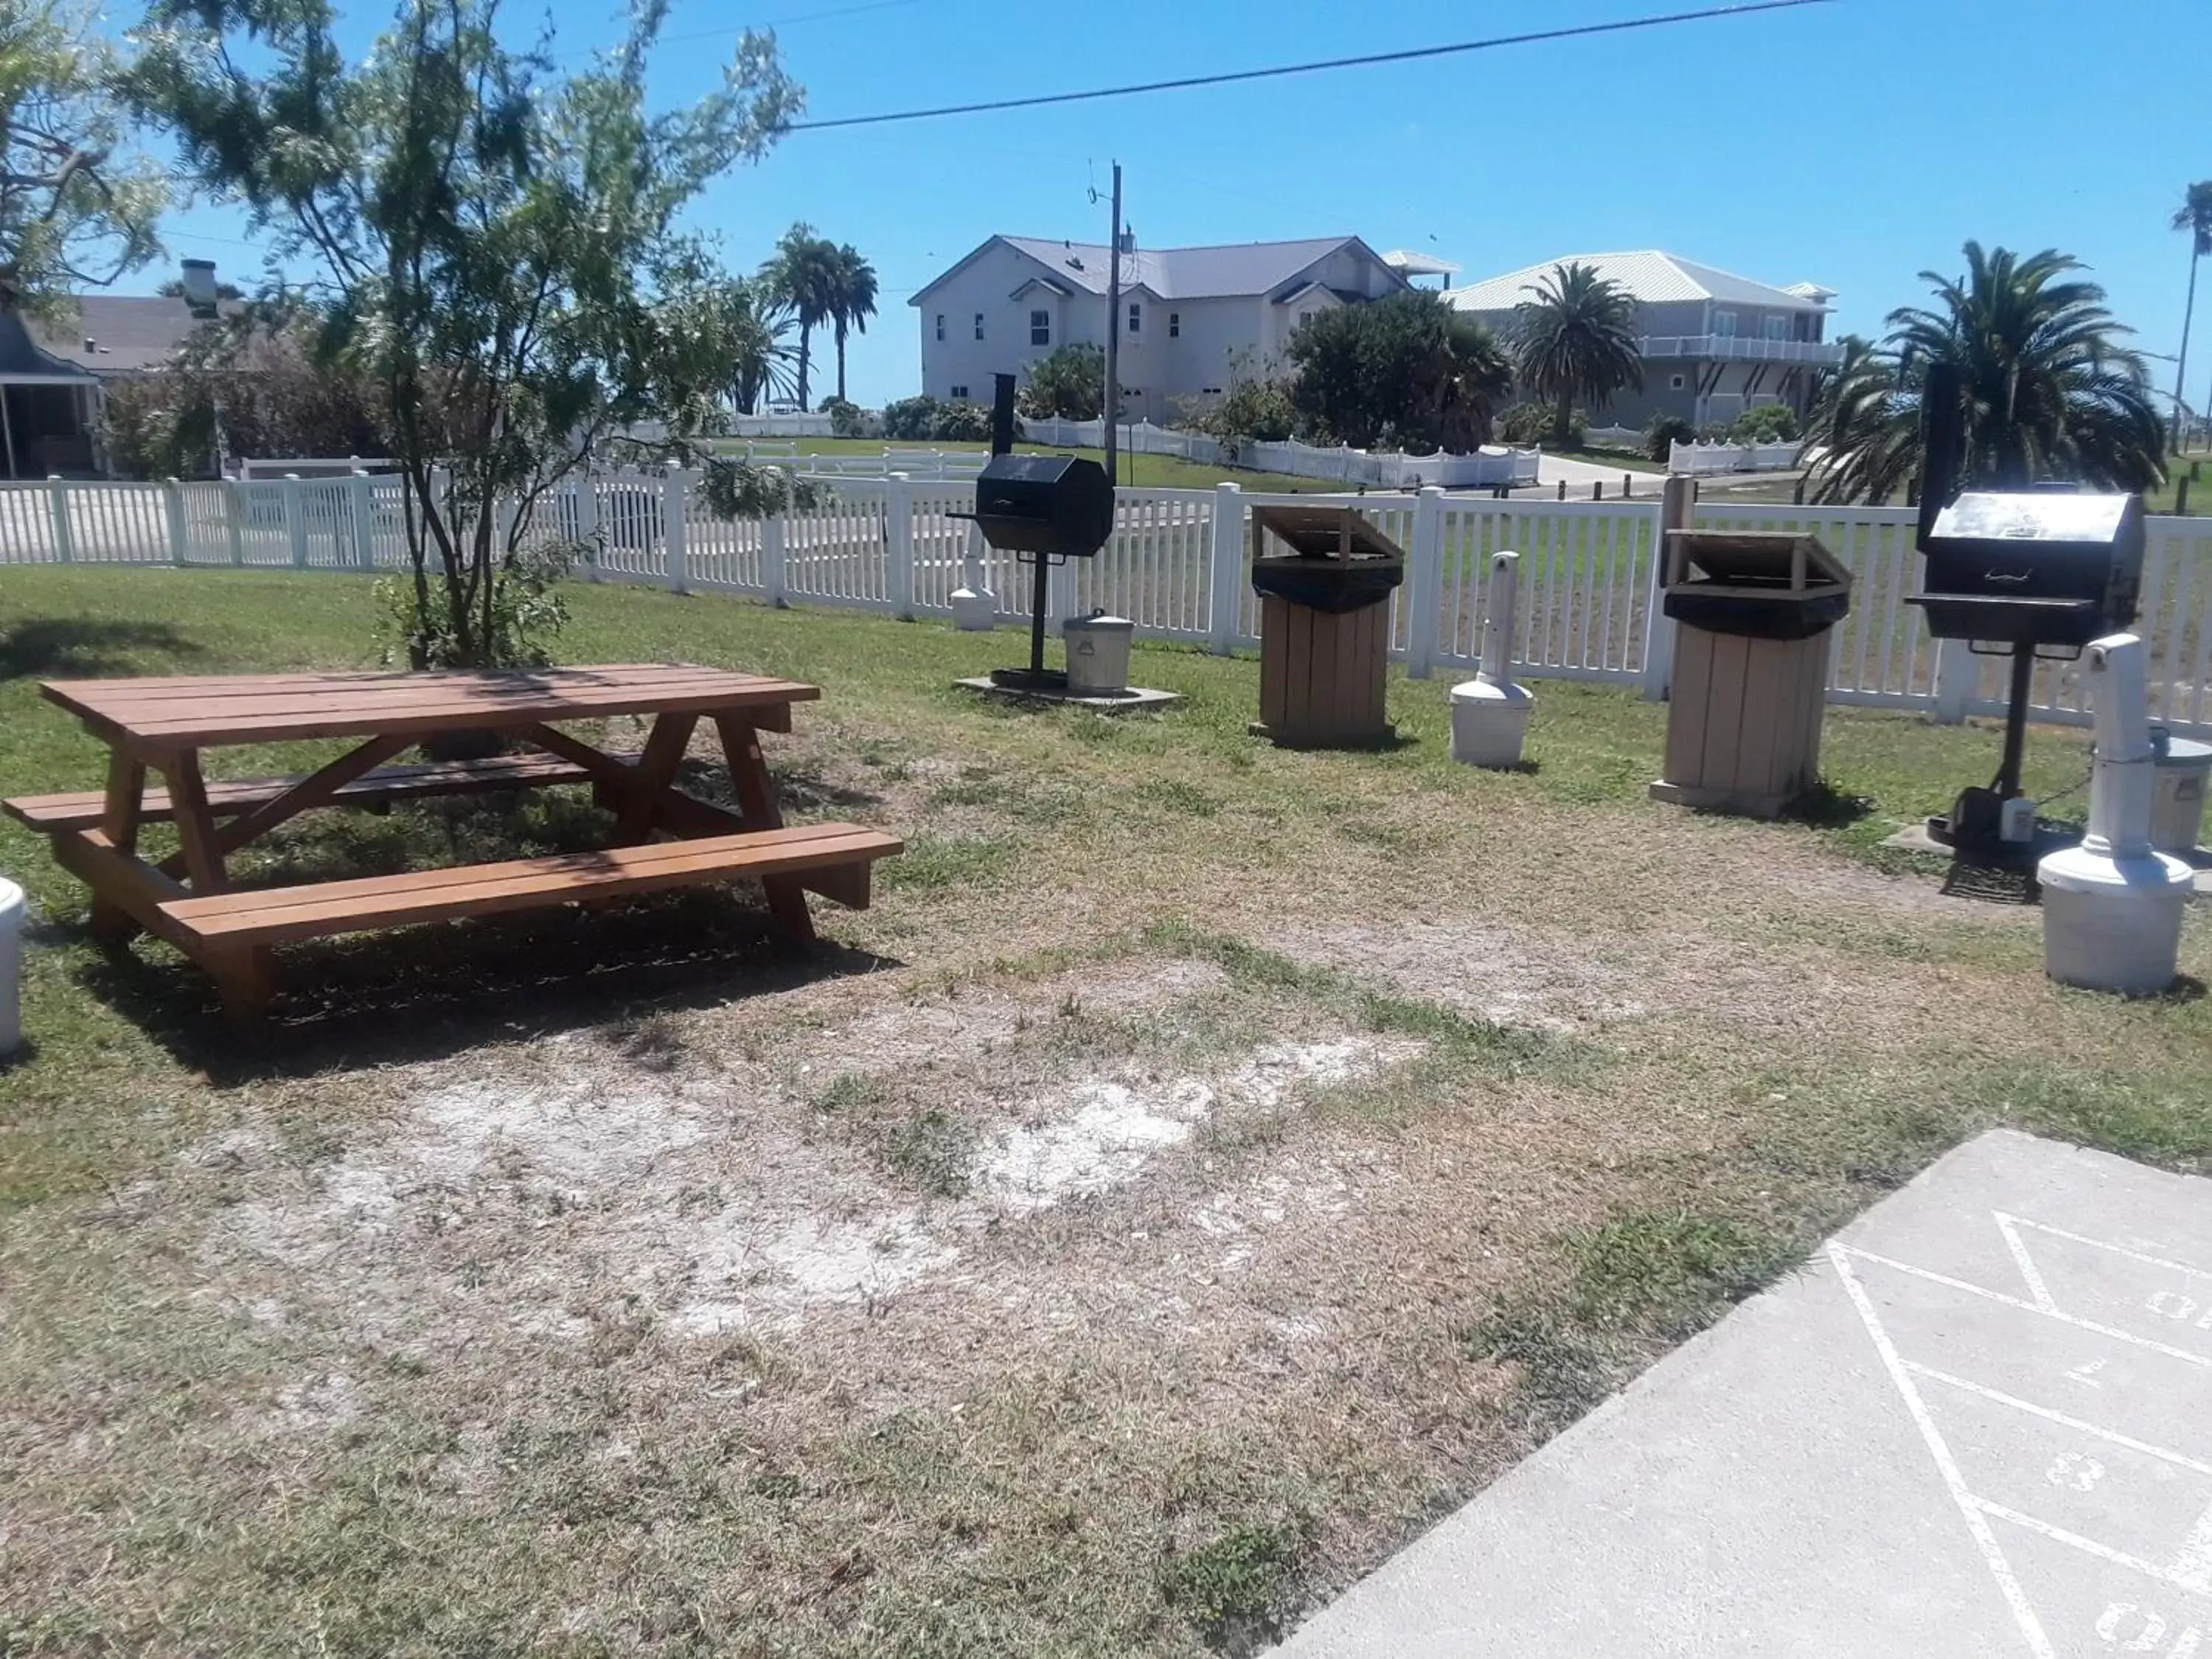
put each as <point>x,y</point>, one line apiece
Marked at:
<point>975,607</point>
<point>1489,712</point>
<point>2112,906</point>
<point>11,967</point>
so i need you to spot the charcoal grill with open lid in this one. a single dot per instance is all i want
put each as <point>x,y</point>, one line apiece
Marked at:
<point>1043,509</point>
<point>1752,610</point>
<point>1324,625</point>
<point>2031,568</point>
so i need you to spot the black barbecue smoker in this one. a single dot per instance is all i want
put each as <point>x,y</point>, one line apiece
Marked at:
<point>2030,575</point>
<point>1045,510</point>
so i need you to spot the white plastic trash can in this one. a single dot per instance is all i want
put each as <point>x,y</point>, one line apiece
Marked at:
<point>11,966</point>
<point>2112,925</point>
<point>1097,654</point>
<point>2177,804</point>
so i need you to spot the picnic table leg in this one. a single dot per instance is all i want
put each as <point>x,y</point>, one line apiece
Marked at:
<point>242,973</point>
<point>650,779</point>
<point>755,792</point>
<point>127,798</point>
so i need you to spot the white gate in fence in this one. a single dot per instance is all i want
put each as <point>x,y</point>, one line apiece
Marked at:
<point>1176,566</point>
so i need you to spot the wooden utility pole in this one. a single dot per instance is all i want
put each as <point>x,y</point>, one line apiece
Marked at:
<point>1112,409</point>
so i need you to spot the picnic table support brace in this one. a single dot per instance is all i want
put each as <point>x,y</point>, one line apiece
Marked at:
<point>755,790</point>
<point>242,973</point>
<point>126,794</point>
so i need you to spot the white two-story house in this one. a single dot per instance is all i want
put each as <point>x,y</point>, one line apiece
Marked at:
<point>1187,311</point>
<point>1714,343</point>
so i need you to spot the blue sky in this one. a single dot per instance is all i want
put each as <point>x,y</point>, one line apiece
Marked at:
<point>1852,144</point>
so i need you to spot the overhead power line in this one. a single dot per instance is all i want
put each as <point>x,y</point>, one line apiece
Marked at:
<point>1408,55</point>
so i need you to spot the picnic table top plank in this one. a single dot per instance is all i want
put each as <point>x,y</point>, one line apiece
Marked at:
<point>182,712</point>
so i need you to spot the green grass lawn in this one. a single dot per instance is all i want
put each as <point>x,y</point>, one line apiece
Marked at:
<point>1138,472</point>
<point>605,1282</point>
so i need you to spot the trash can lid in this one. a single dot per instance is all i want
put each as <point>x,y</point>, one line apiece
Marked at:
<point>1098,621</point>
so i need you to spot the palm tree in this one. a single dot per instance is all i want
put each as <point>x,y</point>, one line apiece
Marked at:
<point>803,273</point>
<point>2049,392</point>
<point>2195,217</point>
<point>855,303</point>
<point>758,325</point>
<point>1576,339</point>
<point>1474,375</point>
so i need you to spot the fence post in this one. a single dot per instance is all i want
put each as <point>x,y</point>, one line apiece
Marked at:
<point>1424,582</point>
<point>296,526</point>
<point>1225,572</point>
<point>774,530</point>
<point>585,492</point>
<point>232,516</point>
<point>1958,674</point>
<point>57,497</point>
<point>358,494</point>
<point>898,542</point>
<point>673,487</point>
<point>1676,499</point>
<point>173,507</point>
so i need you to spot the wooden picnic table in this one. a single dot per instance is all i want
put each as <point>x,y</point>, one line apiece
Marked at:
<point>162,725</point>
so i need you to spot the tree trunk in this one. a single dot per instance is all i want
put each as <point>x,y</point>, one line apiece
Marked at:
<point>841,365</point>
<point>2181,360</point>
<point>1562,421</point>
<point>806,339</point>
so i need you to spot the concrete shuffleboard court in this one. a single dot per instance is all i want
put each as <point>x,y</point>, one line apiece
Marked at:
<point>1978,1423</point>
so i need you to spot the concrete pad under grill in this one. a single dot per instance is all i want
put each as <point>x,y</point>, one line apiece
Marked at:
<point>1979,1422</point>
<point>1915,838</point>
<point>1111,702</point>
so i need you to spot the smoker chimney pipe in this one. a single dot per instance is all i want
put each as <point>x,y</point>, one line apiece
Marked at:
<point>1002,416</point>
<point>1943,441</point>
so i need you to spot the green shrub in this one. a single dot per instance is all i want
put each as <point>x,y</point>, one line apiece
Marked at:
<point>911,418</point>
<point>961,423</point>
<point>1531,423</point>
<point>1068,384</point>
<point>1664,432</point>
<point>1769,423</point>
<point>847,419</point>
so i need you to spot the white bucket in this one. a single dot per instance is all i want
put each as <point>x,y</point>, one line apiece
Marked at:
<point>1097,654</point>
<point>2114,924</point>
<point>2177,804</point>
<point>11,966</point>
<point>1489,723</point>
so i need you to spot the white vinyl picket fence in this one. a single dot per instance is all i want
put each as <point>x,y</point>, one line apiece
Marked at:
<point>1176,566</point>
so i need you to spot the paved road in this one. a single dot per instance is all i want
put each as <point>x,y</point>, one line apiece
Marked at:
<point>1980,1423</point>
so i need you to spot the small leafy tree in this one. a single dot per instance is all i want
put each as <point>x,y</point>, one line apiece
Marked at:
<point>1256,408</point>
<point>75,209</point>
<point>1663,431</point>
<point>1409,368</point>
<point>1067,385</point>
<point>248,384</point>
<point>493,244</point>
<point>910,419</point>
<point>1575,340</point>
<point>1768,423</point>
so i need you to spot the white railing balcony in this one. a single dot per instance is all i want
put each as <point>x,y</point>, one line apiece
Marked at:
<point>1745,348</point>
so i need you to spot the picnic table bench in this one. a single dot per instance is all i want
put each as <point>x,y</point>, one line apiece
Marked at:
<point>162,725</point>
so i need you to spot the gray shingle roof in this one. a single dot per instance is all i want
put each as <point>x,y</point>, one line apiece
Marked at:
<point>1181,273</point>
<point>22,358</point>
<point>1650,276</point>
<point>129,332</point>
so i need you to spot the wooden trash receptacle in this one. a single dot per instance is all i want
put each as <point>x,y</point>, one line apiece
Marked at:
<point>1324,626</point>
<point>1753,613</point>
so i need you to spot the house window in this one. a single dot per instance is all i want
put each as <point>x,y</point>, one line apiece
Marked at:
<point>979,324</point>
<point>1777,327</point>
<point>1175,324</point>
<point>959,394</point>
<point>940,325</point>
<point>1676,382</point>
<point>1040,328</point>
<point>1136,318</point>
<point>1724,325</point>
<point>1209,391</point>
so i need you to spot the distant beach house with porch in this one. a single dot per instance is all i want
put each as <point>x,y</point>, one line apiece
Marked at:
<point>1714,343</point>
<point>54,372</point>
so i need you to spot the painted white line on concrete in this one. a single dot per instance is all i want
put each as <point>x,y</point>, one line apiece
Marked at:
<point>1954,1481</point>
<point>2009,1226</point>
<point>2061,1418</point>
<point>2193,1565</point>
<point>2086,1545</point>
<point>2025,1306</point>
<point>2117,1249</point>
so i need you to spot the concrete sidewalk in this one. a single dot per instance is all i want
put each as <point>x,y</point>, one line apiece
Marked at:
<point>1978,1423</point>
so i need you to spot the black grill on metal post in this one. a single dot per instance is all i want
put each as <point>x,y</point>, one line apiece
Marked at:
<point>2027,573</point>
<point>1043,509</point>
